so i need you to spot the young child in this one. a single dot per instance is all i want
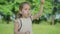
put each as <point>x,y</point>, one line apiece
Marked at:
<point>23,25</point>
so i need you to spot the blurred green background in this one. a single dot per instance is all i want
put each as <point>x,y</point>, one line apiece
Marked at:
<point>48,23</point>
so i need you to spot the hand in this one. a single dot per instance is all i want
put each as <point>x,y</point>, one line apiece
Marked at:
<point>42,1</point>
<point>27,32</point>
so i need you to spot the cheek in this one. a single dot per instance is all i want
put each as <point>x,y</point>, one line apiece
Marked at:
<point>29,12</point>
<point>24,12</point>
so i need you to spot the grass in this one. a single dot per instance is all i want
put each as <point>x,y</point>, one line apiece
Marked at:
<point>46,29</point>
<point>37,29</point>
<point>6,28</point>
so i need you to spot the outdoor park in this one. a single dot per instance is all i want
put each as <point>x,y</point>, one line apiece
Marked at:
<point>48,23</point>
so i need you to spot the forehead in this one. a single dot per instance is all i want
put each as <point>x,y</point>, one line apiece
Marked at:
<point>26,6</point>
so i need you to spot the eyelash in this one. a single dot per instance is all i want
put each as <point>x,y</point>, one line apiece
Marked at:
<point>29,9</point>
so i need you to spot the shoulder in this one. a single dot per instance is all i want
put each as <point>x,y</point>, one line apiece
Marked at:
<point>16,20</point>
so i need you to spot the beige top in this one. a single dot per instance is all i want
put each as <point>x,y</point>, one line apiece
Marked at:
<point>26,25</point>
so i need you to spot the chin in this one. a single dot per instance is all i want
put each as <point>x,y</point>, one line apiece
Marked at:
<point>27,16</point>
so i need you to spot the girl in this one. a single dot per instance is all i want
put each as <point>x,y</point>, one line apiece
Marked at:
<point>23,25</point>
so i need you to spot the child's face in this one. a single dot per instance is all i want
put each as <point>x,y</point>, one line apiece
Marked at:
<point>25,10</point>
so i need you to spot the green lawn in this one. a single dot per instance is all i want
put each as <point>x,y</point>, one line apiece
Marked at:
<point>46,29</point>
<point>37,29</point>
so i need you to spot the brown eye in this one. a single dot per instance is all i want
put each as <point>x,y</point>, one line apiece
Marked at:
<point>29,9</point>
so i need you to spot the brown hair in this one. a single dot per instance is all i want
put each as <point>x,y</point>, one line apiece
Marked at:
<point>22,4</point>
<point>20,8</point>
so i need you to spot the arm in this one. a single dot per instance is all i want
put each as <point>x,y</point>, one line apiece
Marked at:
<point>16,28</point>
<point>27,32</point>
<point>40,11</point>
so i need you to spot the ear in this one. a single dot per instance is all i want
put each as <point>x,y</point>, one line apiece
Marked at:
<point>20,12</point>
